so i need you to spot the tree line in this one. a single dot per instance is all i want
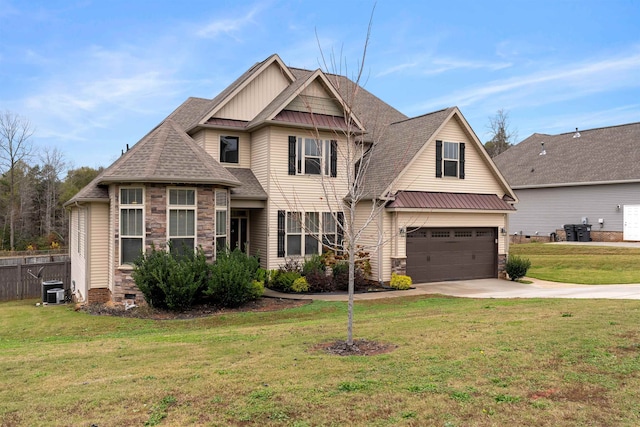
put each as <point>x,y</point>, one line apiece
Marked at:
<point>33,189</point>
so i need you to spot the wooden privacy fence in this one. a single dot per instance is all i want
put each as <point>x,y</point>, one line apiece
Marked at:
<point>22,277</point>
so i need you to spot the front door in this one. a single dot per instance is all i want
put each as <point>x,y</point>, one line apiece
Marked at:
<point>239,236</point>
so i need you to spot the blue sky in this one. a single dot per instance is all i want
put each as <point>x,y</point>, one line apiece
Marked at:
<point>93,76</point>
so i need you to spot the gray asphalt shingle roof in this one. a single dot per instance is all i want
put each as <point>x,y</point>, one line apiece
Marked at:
<point>608,154</point>
<point>400,144</point>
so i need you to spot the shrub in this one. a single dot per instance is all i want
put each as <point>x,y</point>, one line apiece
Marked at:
<point>300,285</point>
<point>282,280</point>
<point>341,277</point>
<point>170,282</point>
<point>517,267</point>
<point>400,281</point>
<point>313,264</point>
<point>232,278</point>
<point>319,281</point>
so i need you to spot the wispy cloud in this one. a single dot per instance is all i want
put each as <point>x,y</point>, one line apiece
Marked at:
<point>438,65</point>
<point>552,84</point>
<point>230,27</point>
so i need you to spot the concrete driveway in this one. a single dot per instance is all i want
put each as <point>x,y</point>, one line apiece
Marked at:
<point>496,288</point>
<point>489,288</point>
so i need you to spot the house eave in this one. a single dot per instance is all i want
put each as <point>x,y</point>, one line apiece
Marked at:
<point>162,180</point>
<point>464,211</point>
<point>575,184</point>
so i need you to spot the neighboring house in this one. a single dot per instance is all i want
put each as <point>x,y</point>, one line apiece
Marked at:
<point>590,176</point>
<point>246,170</point>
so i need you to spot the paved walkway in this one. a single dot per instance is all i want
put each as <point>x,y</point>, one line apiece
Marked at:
<point>496,288</point>
<point>488,288</point>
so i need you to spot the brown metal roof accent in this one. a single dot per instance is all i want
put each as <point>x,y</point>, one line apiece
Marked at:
<point>609,154</point>
<point>215,121</point>
<point>433,200</point>
<point>319,120</point>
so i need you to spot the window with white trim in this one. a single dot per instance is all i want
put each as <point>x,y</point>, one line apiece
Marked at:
<point>303,234</point>
<point>450,158</point>
<point>182,220</point>
<point>131,224</point>
<point>310,156</point>
<point>222,207</point>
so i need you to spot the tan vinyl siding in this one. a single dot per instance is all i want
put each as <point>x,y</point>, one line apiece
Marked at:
<point>378,231</point>
<point>420,176</point>
<point>111,245</point>
<point>315,98</point>
<point>99,245</point>
<point>77,253</point>
<point>211,144</point>
<point>260,156</point>
<point>198,137</point>
<point>258,235</point>
<point>303,193</point>
<point>256,95</point>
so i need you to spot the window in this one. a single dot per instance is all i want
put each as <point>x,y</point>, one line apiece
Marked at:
<point>311,229</point>
<point>182,220</point>
<point>221,219</point>
<point>450,159</point>
<point>309,156</point>
<point>294,233</point>
<point>229,149</point>
<point>299,233</point>
<point>131,224</point>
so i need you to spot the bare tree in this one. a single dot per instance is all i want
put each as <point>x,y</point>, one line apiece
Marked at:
<point>53,164</point>
<point>15,146</point>
<point>501,136</point>
<point>348,202</point>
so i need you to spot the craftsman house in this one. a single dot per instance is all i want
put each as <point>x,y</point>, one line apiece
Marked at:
<point>264,167</point>
<point>587,176</point>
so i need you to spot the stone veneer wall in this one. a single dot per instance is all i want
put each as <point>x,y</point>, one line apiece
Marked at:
<point>502,263</point>
<point>156,233</point>
<point>98,296</point>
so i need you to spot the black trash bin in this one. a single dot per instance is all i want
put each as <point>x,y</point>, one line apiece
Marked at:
<point>583,232</point>
<point>570,231</point>
<point>50,284</point>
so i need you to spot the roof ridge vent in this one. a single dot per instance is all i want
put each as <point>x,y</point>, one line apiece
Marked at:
<point>577,134</point>
<point>542,150</point>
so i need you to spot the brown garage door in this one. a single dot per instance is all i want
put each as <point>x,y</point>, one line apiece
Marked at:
<point>438,254</point>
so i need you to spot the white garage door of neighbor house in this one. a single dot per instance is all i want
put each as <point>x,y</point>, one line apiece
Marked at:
<point>631,229</point>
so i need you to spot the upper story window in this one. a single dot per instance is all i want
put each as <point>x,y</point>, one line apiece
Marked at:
<point>182,220</point>
<point>310,156</point>
<point>450,159</point>
<point>131,224</point>
<point>229,149</point>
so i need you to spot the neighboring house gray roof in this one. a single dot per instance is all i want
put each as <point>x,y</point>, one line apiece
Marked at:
<point>436,200</point>
<point>400,144</point>
<point>602,155</point>
<point>250,188</point>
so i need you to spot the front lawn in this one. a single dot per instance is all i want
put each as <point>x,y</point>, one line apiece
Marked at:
<point>589,265</point>
<point>458,362</point>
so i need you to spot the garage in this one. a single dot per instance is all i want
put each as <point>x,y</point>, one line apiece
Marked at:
<point>440,254</point>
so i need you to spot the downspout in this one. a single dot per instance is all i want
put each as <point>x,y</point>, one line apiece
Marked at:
<point>380,257</point>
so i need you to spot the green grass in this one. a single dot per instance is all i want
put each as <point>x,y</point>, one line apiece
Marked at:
<point>459,362</point>
<point>589,265</point>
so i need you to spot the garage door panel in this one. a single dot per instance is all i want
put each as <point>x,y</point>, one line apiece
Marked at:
<point>451,254</point>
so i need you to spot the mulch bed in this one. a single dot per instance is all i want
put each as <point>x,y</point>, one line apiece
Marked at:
<point>360,347</point>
